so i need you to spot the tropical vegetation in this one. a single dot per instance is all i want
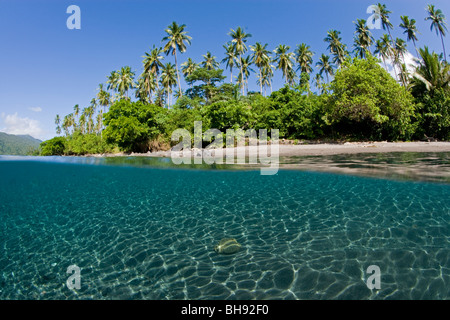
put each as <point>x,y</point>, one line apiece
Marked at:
<point>343,94</point>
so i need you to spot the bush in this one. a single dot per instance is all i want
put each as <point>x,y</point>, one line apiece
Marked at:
<point>433,115</point>
<point>231,114</point>
<point>81,144</point>
<point>53,147</point>
<point>367,103</point>
<point>300,114</point>
<point>132,125</point>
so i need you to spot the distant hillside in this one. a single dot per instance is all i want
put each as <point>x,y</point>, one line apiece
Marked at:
<point>17,144</point>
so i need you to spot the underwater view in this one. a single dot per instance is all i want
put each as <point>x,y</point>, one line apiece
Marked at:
<point>143,228</point>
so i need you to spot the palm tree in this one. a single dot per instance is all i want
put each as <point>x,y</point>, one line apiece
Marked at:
<point>152,62</point>
<point>168,79</point>
<point>336,47</point>
<point>245,67</point>
<point>159,97</point>
<point>176,39</point>
<point>68,122</point>
<point>404,75</point>
<point>325,66</point>
<point>437,19</point>
<point>76,112</point>
<point>58,122</point>
<point>145,86</point>
<point>230,58</point>
<point>103,97</point>
<point>385,23</point>
<point>89,112</point>
<point>210,62</point>
<point>261,59</point>
<point>239,40</point>
<point>188,67</point>
<point>363,38</point>
<point>113,81</point>
<point>360,48</point>
<point>291,77</point>
<point>318,82</point>
<point>125,81</point>
<point>283,58</point>
<point>432,73</point>
<point>303,56</point>
<point>383,49</point>
<point>99,126</point>
<point>266,76</point>
<point>83,123</point>
<point>410,30</point>
<point>400,50</point>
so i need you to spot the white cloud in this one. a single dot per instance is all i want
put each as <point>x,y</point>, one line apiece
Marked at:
<point>16,125</point>
<point>35,109</point>
<point>410,61</point>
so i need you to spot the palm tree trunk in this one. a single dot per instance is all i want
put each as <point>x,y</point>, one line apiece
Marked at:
<point>393,58</point>
<point>178,74</point>
<point>231,75</point>
<point>149,92</point>
<point>242,84</point>
<point>384,61</point>
<point>168,97</point>
<point>443,46</point>
<point>260,80</point>
<point>415,47</point>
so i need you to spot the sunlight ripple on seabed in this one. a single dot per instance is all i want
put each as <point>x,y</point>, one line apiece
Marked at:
<point>150,234</point>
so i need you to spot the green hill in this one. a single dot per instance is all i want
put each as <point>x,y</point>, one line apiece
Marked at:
<point>17,144</point>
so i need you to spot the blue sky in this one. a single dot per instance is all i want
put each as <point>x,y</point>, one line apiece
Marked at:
<point>46,68</point>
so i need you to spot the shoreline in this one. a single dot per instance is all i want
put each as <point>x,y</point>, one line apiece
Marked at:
<point>317,149</point>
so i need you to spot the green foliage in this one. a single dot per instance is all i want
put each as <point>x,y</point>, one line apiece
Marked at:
<point>433,115</point>
<point>224,115</point>
<point>367,103</point>
<point>300,115</point>
<point>131,125</point>
<point>181,117</point>
<point>82,144</point>
<point>76,144</point>
<point>208,78</point>
<point>53,147</point>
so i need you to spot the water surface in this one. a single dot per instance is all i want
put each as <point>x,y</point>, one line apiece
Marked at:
<point>146,230</point>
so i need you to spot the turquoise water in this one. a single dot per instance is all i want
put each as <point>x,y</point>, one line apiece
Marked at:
<point>149,232</point>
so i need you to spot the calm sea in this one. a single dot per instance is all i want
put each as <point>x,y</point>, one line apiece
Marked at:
<point>144,229</point>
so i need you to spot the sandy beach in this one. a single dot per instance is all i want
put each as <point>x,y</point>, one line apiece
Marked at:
<point>317,149</point>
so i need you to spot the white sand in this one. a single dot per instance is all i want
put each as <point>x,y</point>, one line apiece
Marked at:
<point>332,149</point>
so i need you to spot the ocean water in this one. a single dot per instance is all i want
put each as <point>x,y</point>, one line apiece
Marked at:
<point>149,231</point>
